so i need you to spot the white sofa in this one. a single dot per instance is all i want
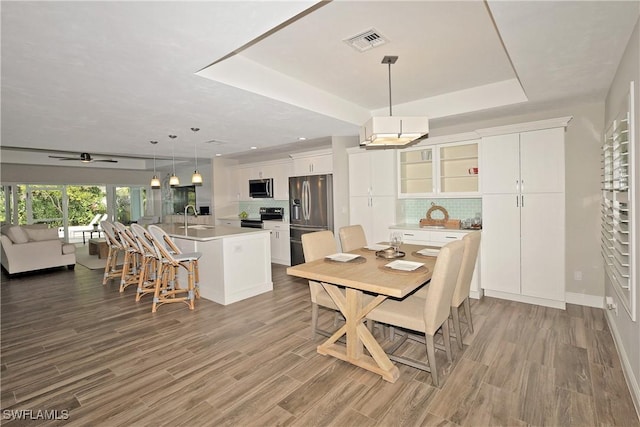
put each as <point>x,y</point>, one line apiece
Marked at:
<point>34,247</point>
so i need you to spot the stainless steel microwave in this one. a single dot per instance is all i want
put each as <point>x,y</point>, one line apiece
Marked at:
<point>261,188</point>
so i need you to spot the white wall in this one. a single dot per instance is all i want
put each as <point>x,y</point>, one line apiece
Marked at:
<point>341,180</point>
<point>625,331</point>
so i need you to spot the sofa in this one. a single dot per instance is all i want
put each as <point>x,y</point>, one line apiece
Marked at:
<point>34,247</point>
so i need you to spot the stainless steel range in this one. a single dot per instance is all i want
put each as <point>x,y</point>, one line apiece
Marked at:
<point>266,214</point>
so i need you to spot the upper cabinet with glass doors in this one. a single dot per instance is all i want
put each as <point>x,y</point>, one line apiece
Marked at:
<point>442,170</point>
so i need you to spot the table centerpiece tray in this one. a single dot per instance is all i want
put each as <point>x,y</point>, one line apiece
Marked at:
<point>387,255</point>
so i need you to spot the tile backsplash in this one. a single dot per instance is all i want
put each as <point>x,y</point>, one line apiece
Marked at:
<point>411,211</point>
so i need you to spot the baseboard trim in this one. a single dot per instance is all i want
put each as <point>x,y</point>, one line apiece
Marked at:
<point>583,299</point>
<point>526,299</point>
<point>632,381</point>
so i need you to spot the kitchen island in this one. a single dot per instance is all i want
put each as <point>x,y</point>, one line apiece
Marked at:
<point>235,262</point>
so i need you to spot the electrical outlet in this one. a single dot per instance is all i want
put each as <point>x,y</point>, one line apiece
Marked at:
<point>577,275</point>
<point>610,305</point>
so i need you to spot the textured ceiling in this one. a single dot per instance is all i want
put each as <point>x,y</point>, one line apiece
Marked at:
<point>107,77</point>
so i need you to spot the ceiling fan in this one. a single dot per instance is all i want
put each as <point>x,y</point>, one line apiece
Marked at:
<point>85,158</point>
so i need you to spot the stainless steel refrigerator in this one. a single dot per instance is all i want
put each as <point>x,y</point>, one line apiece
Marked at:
<point>310,209</point>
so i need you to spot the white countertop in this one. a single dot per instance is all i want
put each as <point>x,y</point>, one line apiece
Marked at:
<point>205,233</point>
<point>228,217</point>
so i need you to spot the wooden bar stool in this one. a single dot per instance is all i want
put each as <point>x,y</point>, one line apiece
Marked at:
<point>168,289</point>
<point>149,263</point>
<point>116,247</point>
<point>132,255</point>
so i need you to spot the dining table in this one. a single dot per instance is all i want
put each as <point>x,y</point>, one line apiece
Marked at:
<point>348,281</point>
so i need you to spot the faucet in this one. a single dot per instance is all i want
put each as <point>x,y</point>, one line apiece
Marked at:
<point>186,208</point>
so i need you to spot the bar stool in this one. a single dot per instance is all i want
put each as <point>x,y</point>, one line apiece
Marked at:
<point>132,255</point>
<point>148,263</point>
<point>167,289</point>
<point>115,248</point>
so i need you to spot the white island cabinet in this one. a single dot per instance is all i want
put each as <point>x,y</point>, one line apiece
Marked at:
<point>235,262</point>
<point>280,244</point>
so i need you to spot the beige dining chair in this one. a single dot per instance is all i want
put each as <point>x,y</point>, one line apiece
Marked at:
<point>461,293</point>
<point>463,286</point>
<point>426,315</point>
<point>317,245</point>
<point>352,237</point>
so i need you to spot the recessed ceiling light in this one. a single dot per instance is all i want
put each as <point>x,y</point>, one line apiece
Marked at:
<point>218,154</point>
<point>254,148</point>
<point>302,138</point>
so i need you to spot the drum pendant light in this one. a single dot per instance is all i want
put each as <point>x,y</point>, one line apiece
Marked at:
<point>196,178</point>
<point>173,181</point>
<point>393,131</point>
<point>155,181</point>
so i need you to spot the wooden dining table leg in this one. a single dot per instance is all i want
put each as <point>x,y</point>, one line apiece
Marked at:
<point>357,335</point>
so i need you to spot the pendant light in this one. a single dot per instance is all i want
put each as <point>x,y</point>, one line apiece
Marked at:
<point>173,181</point>
<point>196,178</point>
<point>393,131</point>
<point>155,181</point>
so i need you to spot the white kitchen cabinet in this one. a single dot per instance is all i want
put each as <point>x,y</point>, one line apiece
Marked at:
<point>243,176</point>
<point>440,237</point>
<point>312,163</point>
<point>279,171</point>
<point>523,216</point>
<point>527,162</point>
<point>372,200</point>
<point>440,170</point>
<point>280,245</point>
<point>374,214</point>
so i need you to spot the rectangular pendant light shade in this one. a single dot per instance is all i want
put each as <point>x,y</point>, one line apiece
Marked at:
<point>393,131</point>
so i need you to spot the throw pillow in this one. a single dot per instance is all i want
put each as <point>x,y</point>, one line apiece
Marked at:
<point>17,234</point>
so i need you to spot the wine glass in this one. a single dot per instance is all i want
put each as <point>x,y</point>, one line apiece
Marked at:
<point>396,241</point>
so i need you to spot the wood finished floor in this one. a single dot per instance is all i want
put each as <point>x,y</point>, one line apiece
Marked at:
<point>70,343</point>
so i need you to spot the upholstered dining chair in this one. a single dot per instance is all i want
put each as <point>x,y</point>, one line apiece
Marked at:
<point>429,315</point>
<point>168,289</point>
<point>317,245</point>
<point>149,263</point>
<point>352,237</point>
<point>116,247</point>
<point>463,286</point>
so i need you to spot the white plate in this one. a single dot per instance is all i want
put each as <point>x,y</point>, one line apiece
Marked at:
<point>429,252</point>
<point>404,265</point>
<point>377,247</point>
<point>342,257</point>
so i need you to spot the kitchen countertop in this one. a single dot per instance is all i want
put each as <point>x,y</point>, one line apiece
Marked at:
<point>203,233</point>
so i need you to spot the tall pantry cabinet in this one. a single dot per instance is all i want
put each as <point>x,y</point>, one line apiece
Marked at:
<point>523,210</point>
<point>372,191</point>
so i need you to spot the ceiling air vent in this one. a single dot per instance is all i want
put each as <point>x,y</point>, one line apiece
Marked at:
<point>367,40</point>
